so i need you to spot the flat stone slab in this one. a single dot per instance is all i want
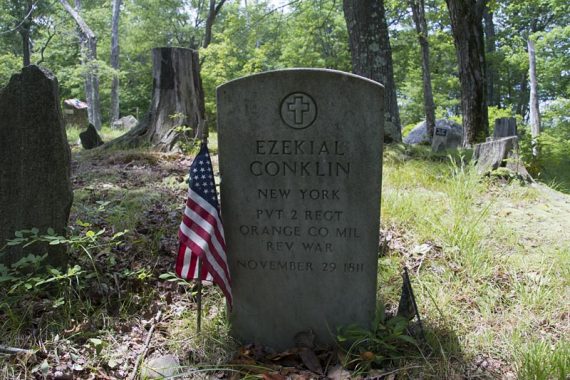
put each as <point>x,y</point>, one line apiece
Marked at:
<point>300,160</point>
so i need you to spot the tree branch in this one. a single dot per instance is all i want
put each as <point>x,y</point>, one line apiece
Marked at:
<point>78,19</point>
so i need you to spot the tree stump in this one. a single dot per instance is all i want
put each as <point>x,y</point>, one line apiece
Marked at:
<point>177,101</point>
<point>505,127</point>
<point>500,153</point>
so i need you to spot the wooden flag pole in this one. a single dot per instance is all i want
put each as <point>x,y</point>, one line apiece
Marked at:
<point>199,298</point>
<point>204,140</point>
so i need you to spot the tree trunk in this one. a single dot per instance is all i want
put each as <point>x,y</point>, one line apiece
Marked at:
<point>418,14</point>
<point>372,55</point>
<point>533,106</point>
<point>490,67</point>
<point>115,113</point>
<point>466,24</point>
<point>523,99</point>
<point>177,101</point>
<point>25,34</point>
<point>89,45</point>
<point>213,11</point>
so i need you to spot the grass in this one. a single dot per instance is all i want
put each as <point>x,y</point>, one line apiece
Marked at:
<point>489,263</point>
<point>479,281</point>
<point>107,134</point>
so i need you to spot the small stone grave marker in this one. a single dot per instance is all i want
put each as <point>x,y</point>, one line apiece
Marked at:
<point>300,161</point>
<point>444,138</point>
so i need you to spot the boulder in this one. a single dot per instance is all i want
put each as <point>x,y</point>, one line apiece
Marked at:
<point>90,138</point>
<point>125,123</point>
<point>418,135</point>
<point>159,367</point>
<point>35,163</point>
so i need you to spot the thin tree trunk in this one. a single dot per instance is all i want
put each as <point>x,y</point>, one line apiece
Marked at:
<point>371,53</point>
<point>115,108</point>
<point>490,49</point>
<point>418,14</point>
<point>213,11</point>
<point>533,106</point>
<point>89,42</point>
<point>523,100</point>
<point>25,34</point>
<point>466,24</point>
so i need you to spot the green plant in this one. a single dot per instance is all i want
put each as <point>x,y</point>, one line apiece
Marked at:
<point>386,342</point>
<point>543,361</point>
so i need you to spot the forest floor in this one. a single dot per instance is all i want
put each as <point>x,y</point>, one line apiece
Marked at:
<point>489,261</point>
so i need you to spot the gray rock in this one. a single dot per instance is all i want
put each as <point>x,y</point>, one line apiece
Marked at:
<point>300,161</point>
<point>160,367</point>
<point>418,135</point>
<point>90,138</point>
<point>35,162</point>
<point>126,123</point>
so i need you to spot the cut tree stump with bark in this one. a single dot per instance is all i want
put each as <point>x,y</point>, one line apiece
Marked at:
<point>500,153</point>
<point>177,101</point>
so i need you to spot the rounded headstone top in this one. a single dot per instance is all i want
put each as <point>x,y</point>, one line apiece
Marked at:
<point>303,72</point>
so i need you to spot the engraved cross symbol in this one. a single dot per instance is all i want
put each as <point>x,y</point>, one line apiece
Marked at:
<point>299,107</point>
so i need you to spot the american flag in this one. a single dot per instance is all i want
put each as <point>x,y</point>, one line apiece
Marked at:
<point>201,233</point>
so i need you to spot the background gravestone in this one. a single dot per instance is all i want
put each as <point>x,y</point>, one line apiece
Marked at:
<point>444,138</point>
<point>419,135</point>
<point>300,160</point>
<point>90,138</point>
<point>35,186</point>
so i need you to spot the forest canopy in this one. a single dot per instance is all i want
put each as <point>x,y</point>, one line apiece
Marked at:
<point>254,36</point>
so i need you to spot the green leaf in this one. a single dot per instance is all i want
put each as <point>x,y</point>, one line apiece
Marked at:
<point>50,231</point>
<point>407,338</point>
<point>90,234</point>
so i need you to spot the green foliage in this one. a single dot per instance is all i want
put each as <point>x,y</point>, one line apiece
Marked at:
<point>10,64</point>
<point>386,342</point>
<point>543,361</point>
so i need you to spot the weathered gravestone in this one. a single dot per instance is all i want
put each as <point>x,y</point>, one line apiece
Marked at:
<point>444,138</point>
<point>419,135</point>
<point>300,161</point>
<point>35,186</point>
<point>90,138</point>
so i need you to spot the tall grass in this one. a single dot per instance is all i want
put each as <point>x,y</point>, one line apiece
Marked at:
<point>479,289</point>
